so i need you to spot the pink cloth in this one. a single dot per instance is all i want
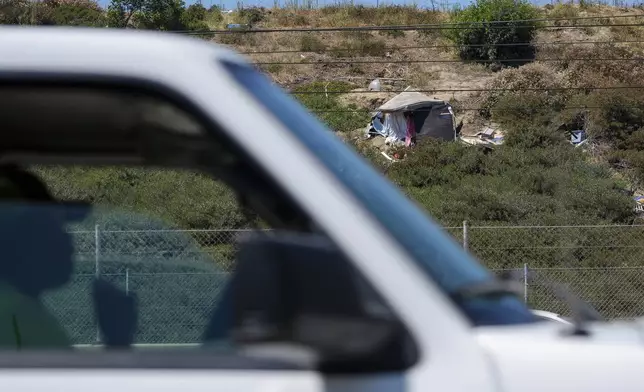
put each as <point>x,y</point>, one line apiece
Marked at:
<point>411,131</point>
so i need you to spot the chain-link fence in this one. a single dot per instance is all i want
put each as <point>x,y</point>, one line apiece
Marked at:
<point>177,275</point>
<point>603,265</point>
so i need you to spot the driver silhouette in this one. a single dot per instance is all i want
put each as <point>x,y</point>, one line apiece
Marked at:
<point>36,255</point>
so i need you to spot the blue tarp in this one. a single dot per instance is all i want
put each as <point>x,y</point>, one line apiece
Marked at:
<point>577,136</point>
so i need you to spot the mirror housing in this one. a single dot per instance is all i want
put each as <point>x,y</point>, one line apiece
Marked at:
<point>299,290</point>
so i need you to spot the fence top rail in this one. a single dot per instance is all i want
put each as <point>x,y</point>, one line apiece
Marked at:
<point>163,231</point>
<point>224,273</point>
<point>612,268</point>
<point>553,227</point>
<point>499,227</point>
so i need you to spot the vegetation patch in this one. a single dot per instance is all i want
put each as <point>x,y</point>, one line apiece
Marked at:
<point>495,30</point>
<point>328,108</point>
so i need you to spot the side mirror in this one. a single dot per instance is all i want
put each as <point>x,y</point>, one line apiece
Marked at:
<point>300,291</point>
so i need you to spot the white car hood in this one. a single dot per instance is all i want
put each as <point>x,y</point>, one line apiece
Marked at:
<point>542,357</point>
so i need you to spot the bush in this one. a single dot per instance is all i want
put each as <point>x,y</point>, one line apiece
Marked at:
<point>329,109</point>
<point>194,17</point>
<point>538,180</point>
<point>478,40</point>
<point>201,202</point>
<point>161,15</point>
<point>508,92</point>
<point>147,14</point>
<point>15,12</point>
<point>250,16</point>
<point>72,13</point>
<point>613,115</point>
<point>214,16</point>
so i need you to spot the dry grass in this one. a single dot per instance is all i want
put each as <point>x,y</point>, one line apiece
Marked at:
<point>360,57</point>
<point>342,15</point>
<point>514,82</point>
<point>593,65</point>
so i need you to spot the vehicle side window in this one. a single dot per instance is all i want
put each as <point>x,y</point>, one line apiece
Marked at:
<point>147,259</point>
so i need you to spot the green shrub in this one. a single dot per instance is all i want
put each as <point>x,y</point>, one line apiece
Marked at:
<point>328,108</point>
<point>16,12</point>
<point>477,39</point>
<point>187,200</point>
<point>194,17</point>
<point>146,14</point>
<point>71,13</point>
<point>535,178</point>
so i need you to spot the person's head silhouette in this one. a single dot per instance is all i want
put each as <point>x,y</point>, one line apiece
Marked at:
<point>35,249</point>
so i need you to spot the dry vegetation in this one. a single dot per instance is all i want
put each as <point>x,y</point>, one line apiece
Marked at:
<point>426,60</point>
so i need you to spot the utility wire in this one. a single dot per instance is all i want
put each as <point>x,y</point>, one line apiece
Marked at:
<point>456,108</point>
<point>514,44</point>
<point>469,90</point>
<point>526,60</point>
<point>436,26</point>
<point>402,28</point>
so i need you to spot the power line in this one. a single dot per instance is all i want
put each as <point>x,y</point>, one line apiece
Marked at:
<point>526,60</point>
<point>469,90</point>
<point>401,28</point>
<point>436,26</point>
<point>456,108</point>
<point>515,44</point>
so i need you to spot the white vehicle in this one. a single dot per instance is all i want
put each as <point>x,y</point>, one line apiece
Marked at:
<point>355,289</point>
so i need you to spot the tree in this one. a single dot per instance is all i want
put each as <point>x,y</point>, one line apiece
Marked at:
<point>146,14</point>
<point>16,12</point>
<point>121,12</point>
<point>71,13</point>
<point>194,18</point>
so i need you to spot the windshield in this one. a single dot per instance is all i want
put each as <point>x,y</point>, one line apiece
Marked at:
<point>435,251</point>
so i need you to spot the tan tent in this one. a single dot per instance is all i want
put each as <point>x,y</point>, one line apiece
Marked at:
<point>432,117</point>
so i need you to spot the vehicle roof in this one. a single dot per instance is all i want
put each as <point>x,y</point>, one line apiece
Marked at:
<point>189,69</point>
<point>96,50</point>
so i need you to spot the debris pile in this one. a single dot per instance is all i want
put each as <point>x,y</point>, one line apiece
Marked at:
<point>488,137</point>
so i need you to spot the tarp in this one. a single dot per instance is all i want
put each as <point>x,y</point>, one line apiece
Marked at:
<point>436,121</point>
<point>408,100</point>
<point>392,126</point>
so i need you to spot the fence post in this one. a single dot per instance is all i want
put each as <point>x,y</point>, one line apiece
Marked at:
<point>97,251</point>
<point>97,271</point>
<point>525,283</point>
<point>127,281</point>
<point>465,234</point>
